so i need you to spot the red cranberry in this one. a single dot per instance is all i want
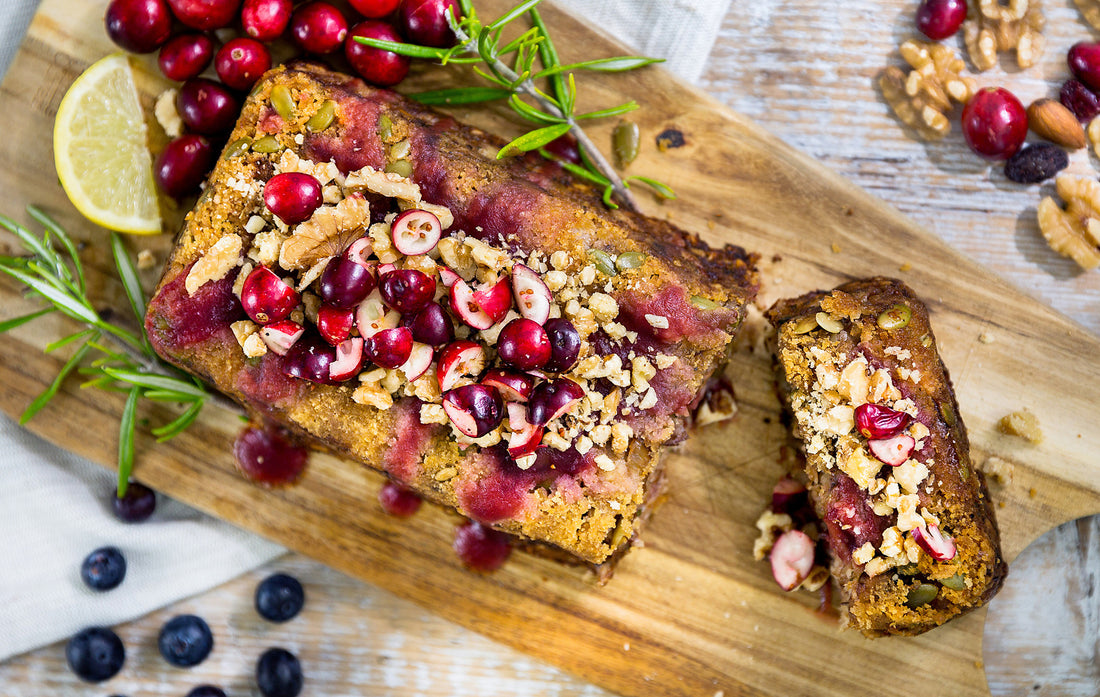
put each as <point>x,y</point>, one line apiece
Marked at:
<point>280,336</point>
<point>481,548</point>
<point>241,62</point>
<point>1084,62</point>
<point>552,398</point>
<point>939,19</point>
<point>474,409</point>
<point>205,14</point>
<point>310,359</point>
<point>266,20</point>
<point>335,324</point>
<point>207,107</point>
<point>398,501</point>
<point>374,9</point>
<point>349,360</point>
<point>788,495</point>
<point>345,283</point>
<point>565,148</point>
<point>185,56</point>
<point>1083,102</point>
<point>407,290</point>
<point>183,164</point>
<point>565,344</point>
<point>994,123</point>
<point>318,28</point>
<point>425,21</point>
<point>523,344</point>
<point>461,359</point>
<point>376,65</point>
<point>415,231</point>
<point>389,348</point>
<point>431,325</point>
<point>293,196</point>
<point>139,26</point>
<point>482,308</point>
<point>513,387</point>
<point>894,451</point>
<point>940,546</point>
<point>792,558</point>
<point>268,456</point>
<point>877,421</point>
<point>532,294</point>
<point>266,298</point>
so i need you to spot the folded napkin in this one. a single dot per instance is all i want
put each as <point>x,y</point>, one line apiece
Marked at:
<point>54,506</point>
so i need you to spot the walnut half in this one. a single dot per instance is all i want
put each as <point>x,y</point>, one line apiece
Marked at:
<point>923,96</point>
<point>993,26</point>
<point>1075,231</point>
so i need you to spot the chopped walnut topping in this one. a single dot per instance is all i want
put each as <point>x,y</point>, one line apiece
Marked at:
<point>997,25</point>
<point>604,307</point>
<point>605,463</point>
<point>457,256</point>
<point>1075,231</point>
<point>265,246</point>
<point>247,333</point>
<point>327,233</point>
<point>1023,424</point>
<point>860,466</point>
<point>864,554</point>
<point>242,275</point>
<point>386,184</point>
<point>621,434</point>
<point>167,116</point>
<point>601,434</point>
<point>214,264</point>
<point>323,172</point>
<point>374,395</point>
<point>922,97</point>
<point>909,475</point>
<point>559,260</point>
<point>854,383</point>
<point>649,400</point>
<point>908,518</point>
<point>664,360</point>
<point>770,524</point>
<point>657,321</point>
<point>912,550</point>
<point>891,542</point>
<point>879,565</point>
<point>254,225</point>
<point>641,372</point>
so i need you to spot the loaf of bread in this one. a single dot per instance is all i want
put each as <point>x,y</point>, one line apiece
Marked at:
<point>908,520</point>
<point>562,451</point>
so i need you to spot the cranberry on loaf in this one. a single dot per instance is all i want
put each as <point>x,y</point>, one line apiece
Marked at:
<point>363,270</point>
<point>907,518</point>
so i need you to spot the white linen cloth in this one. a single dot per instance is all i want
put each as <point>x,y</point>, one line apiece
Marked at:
<point>54,506</point>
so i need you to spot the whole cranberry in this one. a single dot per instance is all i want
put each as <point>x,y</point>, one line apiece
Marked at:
<point>185,56</point>
<point>1083,102</point>
<point>207,107</point>
<point>994,123</point>
<point>939,19</point>
<point>205,14</point>
<point>377,66</point>
<point>425,21</point>
<point>565,148</point>
<point>430,325</point>
<point>373,9</point>
<point>523,344</point>
<point>139,26</point>
<point>407,290</point>
<point>241,62</point>
<point>318,27</point>
<point>293,196</point>
<point>1084,62</point>
<point>183,164</point>
<point>345,283</point>
<point>265,20</point>
<point>565,344</point>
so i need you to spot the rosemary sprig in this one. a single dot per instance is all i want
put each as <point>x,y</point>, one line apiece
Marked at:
<point>514,69</point>
<point>128,364</point>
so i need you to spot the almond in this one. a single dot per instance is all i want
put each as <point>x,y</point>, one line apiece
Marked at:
<point>1050,120</point>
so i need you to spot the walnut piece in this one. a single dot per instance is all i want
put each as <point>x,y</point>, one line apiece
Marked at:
<point>922,97</point>
<point>214,264</point>
<point>1023,424</point>
<point>1075,231</point>
<point>328,231</point>
<point>993,26</point>
<point>1090,10</point>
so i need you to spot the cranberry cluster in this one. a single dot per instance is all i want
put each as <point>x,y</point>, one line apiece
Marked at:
<point>208,107</point>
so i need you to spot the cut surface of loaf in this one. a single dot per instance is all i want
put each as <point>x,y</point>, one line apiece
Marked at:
<point>654,308</point>
<point>908,519</point>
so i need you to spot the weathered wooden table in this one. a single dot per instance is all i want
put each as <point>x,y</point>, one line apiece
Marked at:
<point>806,72</point>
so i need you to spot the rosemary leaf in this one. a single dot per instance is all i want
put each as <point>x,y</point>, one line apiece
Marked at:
<point>157,382</point>
<point>403,49</point>
<point>663,190</point>
<point>612,111</point>
<point>168,396</point>
<point>576,170</point>
<point>32,243</point>
<point>548,54</point>
<point>66,241</point>
<point>531,113</point>
<point>126,441</point>
<point>14,322</point>
<point>129,276</point>
<point>179,424</point>
<point>534,140</point>
<point>461,95</point>
<point>63,302</point>
<point>513,13</point>
<point>617,64</point>
<point>526,40</point>
<point>47,394</point>
<point>77,336</point>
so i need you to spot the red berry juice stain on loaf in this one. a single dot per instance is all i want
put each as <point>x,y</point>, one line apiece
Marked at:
<point>850,521</point>
<point>176,320</point>
<point>481,548</point>
<point>268,456</point>
<point>357,143</point>
<point>398,501</point>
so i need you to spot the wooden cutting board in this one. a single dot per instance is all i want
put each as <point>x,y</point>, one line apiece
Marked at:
<point>691,612</point>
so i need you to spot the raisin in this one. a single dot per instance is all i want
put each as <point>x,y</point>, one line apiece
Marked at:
<point>1036,163</point>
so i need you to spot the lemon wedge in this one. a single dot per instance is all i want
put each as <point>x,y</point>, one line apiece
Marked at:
<point>100,152</point>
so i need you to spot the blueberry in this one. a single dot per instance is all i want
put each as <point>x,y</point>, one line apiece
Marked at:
<point>206,691</point>
<point>103,569</point>
<point>279,598</point>
<point>279,674</point>
<point>95,654</point>
<point>137,505</point>
<point>185,641</point>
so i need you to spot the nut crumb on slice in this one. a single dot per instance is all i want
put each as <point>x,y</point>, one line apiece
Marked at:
<point>657,321</point>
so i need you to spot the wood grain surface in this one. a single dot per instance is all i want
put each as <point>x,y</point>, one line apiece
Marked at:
<point>690,613</point>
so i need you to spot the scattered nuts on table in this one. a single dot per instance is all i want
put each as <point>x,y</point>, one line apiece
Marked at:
<point>1094,135</point>
<point>1049,119</point>
<point>994,26</point>
<point>923,96</point>
<point>1023,424</point>
<point>1075,231</point>
<point>1036,163</point>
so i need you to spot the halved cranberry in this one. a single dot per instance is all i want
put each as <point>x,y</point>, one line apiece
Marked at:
<point>205,14</point>
<point>310,359</point>
<point>376,65</point>
<point>552,398</point>
<point>241,62</point>
<point>280,336</point>
<point>1084,62</point>
<point>480,547</point>
<point>481,309</point>
<point>940,546</point>
<point>207,107</point>
<point>532,295</point>
<point>462,359</point>
<point>389,348</point>
<point>185,56</point>
<point>374,9</point>
<point>183,164</point>
<point>334,324</point>
<point>384,269</point>
<point>349,360</point>
<point>939,19</point>
<point>344,283</point>
<point>878,421</point>
<point>1083,102</point>
<point>526,436</point>
<point>293,196</point>
<point>318,28</point>
<point>788,494</point>
<point>398,501</point>
<point>266,298</point>
<point>265,20</point>
<point>893,451</point>
<point>372,317</point>
<point>994,123</point>
<point>419,361</point>
<point>565,344</point>
<point>431,325</point>
<point>474,409</point>
<point>416,232</point>
<point>792,559</point>
<point>425,21</point>
<point>523,344</point>
<point>139,26</point>
<point>514,387</point>
<point>448,277</point>
<point>407,290</point>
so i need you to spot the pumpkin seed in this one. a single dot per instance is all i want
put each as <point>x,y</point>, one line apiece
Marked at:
<point>828,323</point>
<point>402,168</point>
<point>926,341</point>
<point>323,118</point>
<point>702,303</point>
<point>237,148</point>
<point>630,260</point>
<point>267,144</point>
<point>624,142</point>
<point>955,583</point>
<point>895,317</point>
<point>908,569</point>
<point>948,414</point>
<point>603,261</point>
<point>922,595</point>
<point>385,127</point>
<point>282,101</point>
<point>400,150</point>
<point>804,325</point>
